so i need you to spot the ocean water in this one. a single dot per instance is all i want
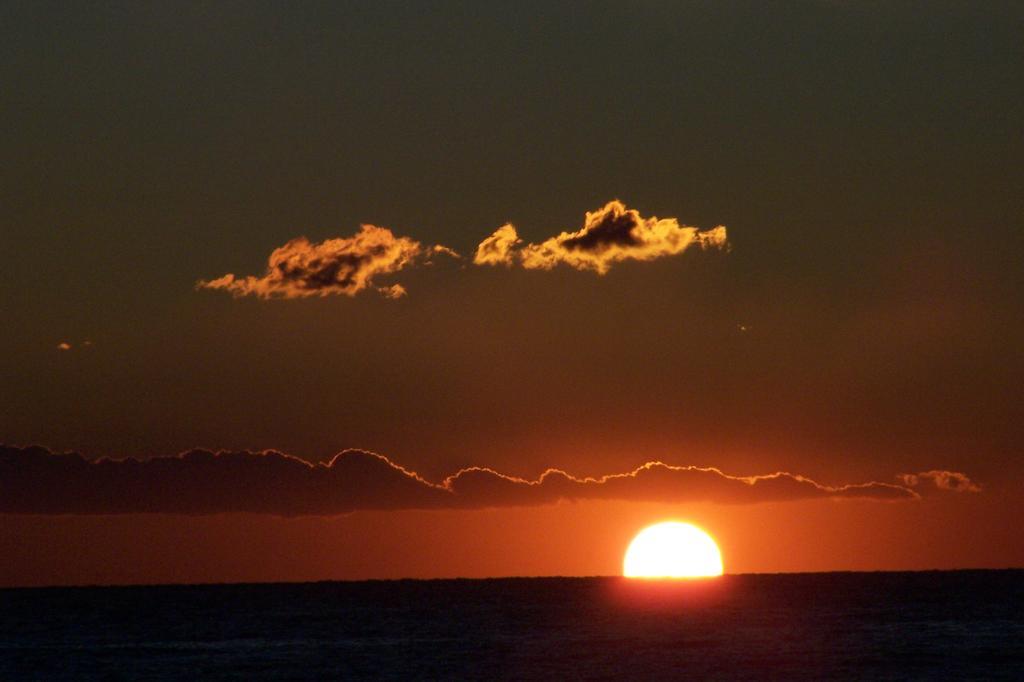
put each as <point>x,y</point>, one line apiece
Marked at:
<point>929,625</point>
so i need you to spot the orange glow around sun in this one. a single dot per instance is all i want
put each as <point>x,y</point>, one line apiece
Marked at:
<point>672,550</point>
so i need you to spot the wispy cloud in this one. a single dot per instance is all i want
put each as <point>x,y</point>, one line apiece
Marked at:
<point>34,480</point>
<point>346,265</point>
<point>610,235</point>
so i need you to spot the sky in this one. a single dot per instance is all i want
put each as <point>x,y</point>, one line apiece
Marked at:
<point>393,289</point>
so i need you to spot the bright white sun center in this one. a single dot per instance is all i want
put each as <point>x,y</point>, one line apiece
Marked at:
<point>672,550</point>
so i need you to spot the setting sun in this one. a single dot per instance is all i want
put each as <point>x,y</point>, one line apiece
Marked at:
<point>672,550</point>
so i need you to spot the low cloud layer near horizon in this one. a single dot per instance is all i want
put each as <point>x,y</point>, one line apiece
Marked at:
<point>34,480</point>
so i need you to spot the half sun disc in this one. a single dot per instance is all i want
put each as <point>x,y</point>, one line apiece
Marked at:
<point>672,550</point>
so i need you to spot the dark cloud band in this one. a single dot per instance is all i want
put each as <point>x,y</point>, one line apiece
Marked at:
<point>34,480</point>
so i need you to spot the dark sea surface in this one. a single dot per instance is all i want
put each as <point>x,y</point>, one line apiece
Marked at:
<point>928,625</point>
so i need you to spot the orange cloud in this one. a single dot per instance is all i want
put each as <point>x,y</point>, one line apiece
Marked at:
<point>609,235</point>
<point>499,248</point>
<point>36,481</point>
<point>394,291</point>
<point>302,269</point>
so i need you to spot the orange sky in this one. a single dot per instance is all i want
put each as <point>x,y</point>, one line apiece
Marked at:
<point>488,240</point>
<point>586,538</point>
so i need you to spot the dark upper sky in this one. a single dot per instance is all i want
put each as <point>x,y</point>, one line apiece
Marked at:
<point>866,159</point>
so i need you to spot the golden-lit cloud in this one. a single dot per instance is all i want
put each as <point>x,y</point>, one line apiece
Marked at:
<point>34,480</point>
<point>499,248</point>
<point>610,235</point>
<point>63,345</point>
<point>346,265</point>
<point>942,480</point>
<point>393,291</point>
<point>437,249</point>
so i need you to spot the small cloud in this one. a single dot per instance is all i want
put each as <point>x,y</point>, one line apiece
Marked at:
<point>499,248</point>
<point>438,249</point>
<point>394,291</point>
<point>63,345</point>
<point>952,481</point>
<point>346,265</point>
<point>609,235</point>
